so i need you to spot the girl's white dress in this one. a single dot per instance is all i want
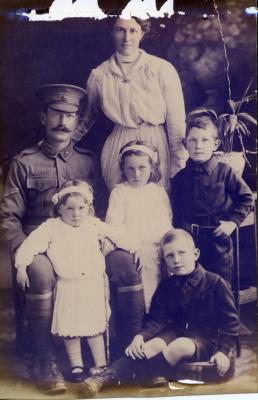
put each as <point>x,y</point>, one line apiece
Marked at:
<point>145,214</point>
<point>80,307</point>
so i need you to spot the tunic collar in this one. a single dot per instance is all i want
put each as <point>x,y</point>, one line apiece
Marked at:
<point>51,152</point>
<point>206,167</point>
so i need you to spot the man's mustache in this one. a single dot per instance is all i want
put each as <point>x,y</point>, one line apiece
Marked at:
<point>61,128</point>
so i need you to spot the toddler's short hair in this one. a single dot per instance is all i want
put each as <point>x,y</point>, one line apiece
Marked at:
<point>202,118</point>
<point>63,199</point>
<point>175,234</point>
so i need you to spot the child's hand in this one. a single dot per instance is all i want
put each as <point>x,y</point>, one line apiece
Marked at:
<point>225,228</point>
<point>135,348</point>
<point>22,278</point>
<point>137,260</point>
<point>222,362</point>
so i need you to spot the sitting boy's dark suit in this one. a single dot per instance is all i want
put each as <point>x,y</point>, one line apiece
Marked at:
<point>192,317</point>
<point>201,196</point>
<point>199,306</point>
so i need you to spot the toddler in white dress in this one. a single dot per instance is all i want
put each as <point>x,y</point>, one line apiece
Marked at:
<point>140,206</point>
<point>71,241</point>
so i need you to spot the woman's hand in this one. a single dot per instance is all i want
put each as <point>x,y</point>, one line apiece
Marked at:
<point>106,246</point>
<point>22,278</point>
<point>222,362</point>
<point>135,348</point>
<point>137,260</point>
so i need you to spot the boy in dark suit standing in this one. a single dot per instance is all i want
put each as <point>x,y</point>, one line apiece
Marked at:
<point>208,198</point>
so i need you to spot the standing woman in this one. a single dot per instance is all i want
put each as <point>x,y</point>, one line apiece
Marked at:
<point>142,95</point>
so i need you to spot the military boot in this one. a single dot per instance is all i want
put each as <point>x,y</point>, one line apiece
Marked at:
<point>50,377</point>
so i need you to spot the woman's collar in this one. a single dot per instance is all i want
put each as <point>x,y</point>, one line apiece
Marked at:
<point>114,66</point>
<point>127,59</point>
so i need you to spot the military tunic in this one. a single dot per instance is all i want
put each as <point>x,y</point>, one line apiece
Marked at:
<point>35,175</point>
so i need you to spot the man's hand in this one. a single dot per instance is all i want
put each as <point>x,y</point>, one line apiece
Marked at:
<point>225,228</point>
<point>222,362</point>
<point>22,278</point>
<point>135,348</point>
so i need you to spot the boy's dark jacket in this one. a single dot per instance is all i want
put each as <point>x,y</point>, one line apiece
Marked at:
<point>206,193</point>
<point>201,304</point>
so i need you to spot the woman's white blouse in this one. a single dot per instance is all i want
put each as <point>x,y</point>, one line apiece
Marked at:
<point>151,94</point>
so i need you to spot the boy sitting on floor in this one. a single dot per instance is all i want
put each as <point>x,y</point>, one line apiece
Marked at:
<point>192,318</point>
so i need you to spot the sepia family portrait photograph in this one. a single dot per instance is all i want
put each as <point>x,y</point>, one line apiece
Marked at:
<point>128,234</point>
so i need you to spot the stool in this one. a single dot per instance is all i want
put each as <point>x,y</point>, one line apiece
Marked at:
<point>205,371</point>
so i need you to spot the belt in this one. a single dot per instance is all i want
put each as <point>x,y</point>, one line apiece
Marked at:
<point>196,229</point>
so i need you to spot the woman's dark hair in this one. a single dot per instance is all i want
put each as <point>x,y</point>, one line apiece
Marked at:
<point>155,174</point>
<point>144,24</point>
<point>63,200</point>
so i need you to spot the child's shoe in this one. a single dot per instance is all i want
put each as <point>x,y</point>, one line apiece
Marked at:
<point>91,386</point>
<point>76,376</point>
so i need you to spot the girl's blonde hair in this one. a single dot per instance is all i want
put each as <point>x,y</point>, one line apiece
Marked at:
<point>75,183</point>
<point>155,174</point>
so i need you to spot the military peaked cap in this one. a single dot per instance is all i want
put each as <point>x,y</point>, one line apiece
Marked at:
<point>61,97</point>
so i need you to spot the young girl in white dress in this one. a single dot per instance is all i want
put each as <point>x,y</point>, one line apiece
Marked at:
<point>71,241</point>
<point>140,205</point>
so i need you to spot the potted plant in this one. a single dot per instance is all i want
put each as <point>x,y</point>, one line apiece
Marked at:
<point>234,126</point>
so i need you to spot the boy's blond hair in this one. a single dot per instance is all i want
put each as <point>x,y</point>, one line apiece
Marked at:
<point>175,234</point>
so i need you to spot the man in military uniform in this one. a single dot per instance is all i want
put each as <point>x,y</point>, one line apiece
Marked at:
<point>34,175</point>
